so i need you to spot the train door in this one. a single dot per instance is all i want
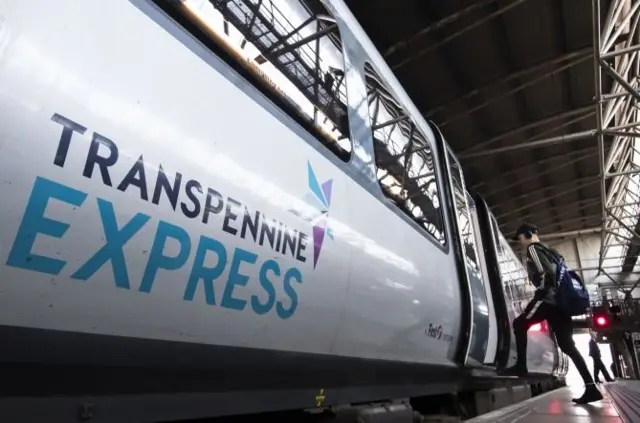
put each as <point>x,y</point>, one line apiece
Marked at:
<point>492,342</point>
<point>480,324</point>
<point>494,257</point>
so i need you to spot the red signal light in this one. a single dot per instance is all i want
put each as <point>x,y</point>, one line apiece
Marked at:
<point>601,321</point>
<point>539,327</point>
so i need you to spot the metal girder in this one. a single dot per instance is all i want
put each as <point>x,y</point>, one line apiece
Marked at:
<point>454,34</point>
<point>566,162</point>
<point>581,113</point>
<point>405,42</point>
<point>499,180</point>
<point>571,234</point>
<point>571,57</point>
<point>555,71</point>
<point>574,223</point>
<point>615,56</point>
<point>616,43</point>
<point>568,208</point>
<point>533,144</point>
<point>571,187</point>
<point>563,215</point>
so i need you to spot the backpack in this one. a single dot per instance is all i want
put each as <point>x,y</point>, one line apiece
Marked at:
<point>571,294</point>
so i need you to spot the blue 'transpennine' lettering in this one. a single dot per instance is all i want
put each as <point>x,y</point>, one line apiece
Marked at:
<point>34,223</point>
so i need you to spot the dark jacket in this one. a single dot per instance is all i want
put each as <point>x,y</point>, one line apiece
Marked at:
<point>594,349</point>
<point>542,271</point>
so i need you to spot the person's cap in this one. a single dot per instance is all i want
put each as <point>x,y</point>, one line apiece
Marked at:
<point>524,228</point>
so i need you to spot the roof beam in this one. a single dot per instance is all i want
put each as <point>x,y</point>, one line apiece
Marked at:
<point>533,144</point>
<point>580,53</point>
<point>456,34</point>
<point>494,99</point>
<point>405,42</point>
<point>500,179</point>
<point>571,224</point>
<point>582,112</point>
<point>567,209</point>
<point>502,40</point>
<point>577,183</point>
<point>571,234</point>
<point>536,175</point>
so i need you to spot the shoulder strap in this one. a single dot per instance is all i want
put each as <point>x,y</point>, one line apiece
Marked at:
<point>562,270</point>
<point>552,254</point>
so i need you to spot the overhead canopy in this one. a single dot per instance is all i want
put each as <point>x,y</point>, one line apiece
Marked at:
<point>544,124</point>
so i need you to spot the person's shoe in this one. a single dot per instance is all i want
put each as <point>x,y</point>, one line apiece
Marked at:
<point>515,370</point>
<point>591,394</point>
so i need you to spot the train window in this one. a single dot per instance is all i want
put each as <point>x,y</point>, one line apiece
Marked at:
<point>496,232</point>
<point>290,50</point>
<point>463,204</point>
<point>513,274</point>
<point>468,233</point>
<point>404,159</point>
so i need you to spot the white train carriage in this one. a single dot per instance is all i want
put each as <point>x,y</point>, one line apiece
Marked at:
<point>205,224</point>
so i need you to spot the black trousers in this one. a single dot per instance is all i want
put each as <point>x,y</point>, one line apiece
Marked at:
<point>598,366</point>
<point>562,327</point>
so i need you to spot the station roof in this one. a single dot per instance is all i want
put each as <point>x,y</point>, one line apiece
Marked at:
<point>495,74</point>
<point>512,86</point>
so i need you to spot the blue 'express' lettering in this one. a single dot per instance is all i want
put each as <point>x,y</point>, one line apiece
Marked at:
<point>189,197</point>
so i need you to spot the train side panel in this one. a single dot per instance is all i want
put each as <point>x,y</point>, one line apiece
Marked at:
<point>152,198</point>
<point>404,299</point>
<point>182,272</point>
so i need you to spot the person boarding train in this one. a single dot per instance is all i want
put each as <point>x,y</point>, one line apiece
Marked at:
<point>542,264</point>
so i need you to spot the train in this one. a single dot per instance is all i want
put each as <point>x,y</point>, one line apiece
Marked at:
<point>231,207</point>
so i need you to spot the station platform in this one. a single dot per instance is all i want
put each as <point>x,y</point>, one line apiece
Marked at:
<point>621,404</point>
